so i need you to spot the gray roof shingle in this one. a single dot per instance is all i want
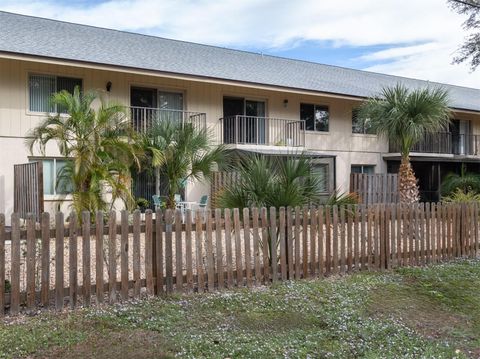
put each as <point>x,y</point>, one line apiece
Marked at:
<point>55,39</point>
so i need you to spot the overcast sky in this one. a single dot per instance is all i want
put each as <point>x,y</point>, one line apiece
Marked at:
<point>414,38</point>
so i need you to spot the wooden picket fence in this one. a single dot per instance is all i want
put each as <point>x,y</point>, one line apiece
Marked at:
<point>375,187</point>
<point>91,263</point>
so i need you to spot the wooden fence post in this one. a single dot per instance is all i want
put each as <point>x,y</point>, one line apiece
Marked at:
<point>321,246</point>
<point>246,241</point>
<point>256,246</point>
<point>297,243</point>
<point>290,239</point>
<point>178,251</point>
<point>343,258</point>
<point>31,254</point>
<point>59,277</point>
<point>169,251</point>
<point>273,243</point>
<point>73,259</point>
<point>313,241</point>
<point>209,253</point>
<point>112,257</point>
<point>328,241</point>
<point>45,291</point>
<point>124,254</point>
<point>199,250</point>
<point>265,234</point>
<point>87,290</point>
<point>188,249</point>
<point>158,265</point>
<point>218,247</point>
<point>305,243</point>
<point>136,254</point>
<point>228,247</point>
<point>99,256</point>
<point>149,252</point>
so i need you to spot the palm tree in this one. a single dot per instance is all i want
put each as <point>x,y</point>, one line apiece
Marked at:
<point>405,117</point>
<point>272,182</point>
<point>187,154</point>
<point>101,144</point>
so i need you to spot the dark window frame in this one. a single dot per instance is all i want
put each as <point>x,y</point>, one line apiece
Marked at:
<point>362,169</point>
<point>311,123</point>
<point>361,128</point>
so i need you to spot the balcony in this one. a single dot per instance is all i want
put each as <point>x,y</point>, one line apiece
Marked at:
<point>251,130</point>
<point>446,143</point>
<point>144,117</point>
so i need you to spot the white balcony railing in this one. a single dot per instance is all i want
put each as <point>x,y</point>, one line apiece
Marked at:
<point>144,117</point>
<point>262,131</point>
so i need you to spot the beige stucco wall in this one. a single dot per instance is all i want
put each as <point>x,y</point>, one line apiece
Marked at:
<point>16,120</point>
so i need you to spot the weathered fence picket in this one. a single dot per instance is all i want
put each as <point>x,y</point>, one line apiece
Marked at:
<point>86,258</point>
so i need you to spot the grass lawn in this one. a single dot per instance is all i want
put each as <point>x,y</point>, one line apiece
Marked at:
<point>429,312</point>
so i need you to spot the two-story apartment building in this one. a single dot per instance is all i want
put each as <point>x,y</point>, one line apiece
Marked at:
<point>252,102</point>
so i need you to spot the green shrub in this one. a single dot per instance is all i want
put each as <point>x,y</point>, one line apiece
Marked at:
<point>142,203</point>
<point>459,196</point>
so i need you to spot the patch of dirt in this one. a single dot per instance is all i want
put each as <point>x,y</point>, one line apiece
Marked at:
<point>138,344</point>
<point>421,313</point>
<point>279,322</point>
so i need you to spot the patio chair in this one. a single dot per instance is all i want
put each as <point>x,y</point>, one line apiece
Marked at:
<point>203,202</point>
<point>177,197</point>
<point>157,201</point>
<point>179,204</point>
<point>202,205</point>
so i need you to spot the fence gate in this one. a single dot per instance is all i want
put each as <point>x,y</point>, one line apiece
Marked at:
<point>375,188</point>
<point>28,189</point>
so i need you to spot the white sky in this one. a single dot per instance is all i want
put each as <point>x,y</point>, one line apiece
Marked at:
<point>418,37</point>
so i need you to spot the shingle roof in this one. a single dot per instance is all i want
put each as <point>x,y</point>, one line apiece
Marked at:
<point>55,39</point>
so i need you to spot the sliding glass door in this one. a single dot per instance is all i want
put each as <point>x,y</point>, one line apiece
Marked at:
<point>171,106</point>
<point>243,121</point>
<point>255,122</point>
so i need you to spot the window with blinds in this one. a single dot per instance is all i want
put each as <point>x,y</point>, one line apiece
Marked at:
<point>42,87</point>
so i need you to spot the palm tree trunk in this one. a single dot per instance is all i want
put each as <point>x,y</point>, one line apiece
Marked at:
<point>407,182</point>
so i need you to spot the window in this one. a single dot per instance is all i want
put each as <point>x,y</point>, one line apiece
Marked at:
<point>315,117</point>
<point>321,171</point>
<point>41,88</point>
<point>54,181</point>
<point>368,169</point>
<point>360,125</point>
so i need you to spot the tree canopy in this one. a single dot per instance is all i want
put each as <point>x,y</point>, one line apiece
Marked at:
<point>470,49</point>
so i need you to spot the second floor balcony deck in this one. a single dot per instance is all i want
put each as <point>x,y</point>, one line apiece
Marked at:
<point>251,130</point>
<point>143,118</point>
<point>446,143</point>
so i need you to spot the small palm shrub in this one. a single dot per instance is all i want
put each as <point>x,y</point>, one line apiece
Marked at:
<point>342,199</point>
<point>465,181</point>
<point>460,196</point>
